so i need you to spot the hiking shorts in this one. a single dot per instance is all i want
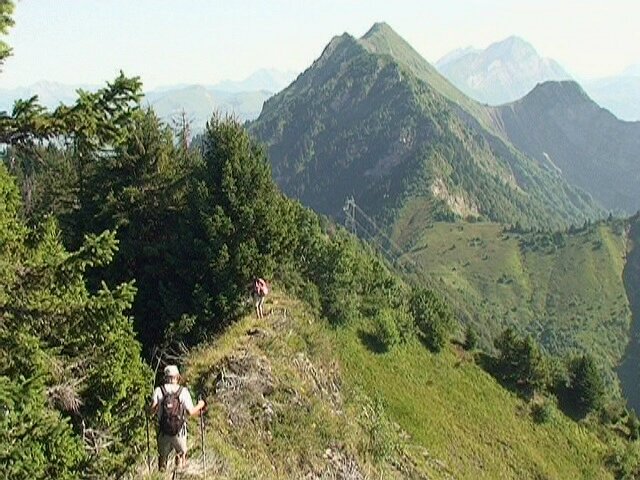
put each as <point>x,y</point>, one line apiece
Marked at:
<point>258,300</point>
<point>166,443</point>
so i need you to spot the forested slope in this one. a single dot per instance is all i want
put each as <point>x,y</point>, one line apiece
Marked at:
<point>565,288</point>
<point>373,120</point>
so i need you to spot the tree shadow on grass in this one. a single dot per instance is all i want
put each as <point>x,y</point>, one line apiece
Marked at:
<point>486,362</point>
<point>567,404</point>
<point>489,364</point>
<point>370,341</point>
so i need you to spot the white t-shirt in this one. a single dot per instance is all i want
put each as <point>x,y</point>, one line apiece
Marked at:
<point>185,397</point>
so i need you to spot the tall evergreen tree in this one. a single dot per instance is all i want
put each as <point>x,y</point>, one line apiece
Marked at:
<point>140,190</point>
<point>586,386</point>
<point>70,352</point>
<point>238,222</point>
<point>521,362</point>
<point>433,318</point>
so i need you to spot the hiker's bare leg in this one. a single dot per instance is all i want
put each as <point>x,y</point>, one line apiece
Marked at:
<point>164,450</point>
<point>162,463</point>
<point>259,307</point>
<point>180,447</point>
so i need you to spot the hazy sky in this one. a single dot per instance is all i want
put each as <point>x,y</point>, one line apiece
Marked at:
<point>205,41</point>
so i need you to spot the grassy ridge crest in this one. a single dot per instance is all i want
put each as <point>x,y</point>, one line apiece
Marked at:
<point>313,401</point>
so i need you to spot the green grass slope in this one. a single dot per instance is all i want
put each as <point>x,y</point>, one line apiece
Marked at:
<point>290,397</point>
<point>565,288</point>
<point>448,405</point>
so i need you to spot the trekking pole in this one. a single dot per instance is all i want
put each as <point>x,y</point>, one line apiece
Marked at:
<point>146,417</point>
<point>155,372</point>
<point>204,460</point>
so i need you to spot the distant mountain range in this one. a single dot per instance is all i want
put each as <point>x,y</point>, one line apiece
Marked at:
<point>509,69</point>
<point>199,102</point>
<point>241,98</point>
<point>50,94</point>
<point>265,79</point>
<point>620,94</point>
<point>372,119</point>
<point>503,72</point>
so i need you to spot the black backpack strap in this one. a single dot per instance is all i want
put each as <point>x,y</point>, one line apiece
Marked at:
<point>183,409</point>
<point>163,390</point>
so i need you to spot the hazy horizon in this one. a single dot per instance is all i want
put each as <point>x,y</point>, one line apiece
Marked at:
<point>158,87</point>
<point>89,41</point>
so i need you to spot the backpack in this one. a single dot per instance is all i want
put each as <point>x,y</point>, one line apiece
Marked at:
<point>172,415</point>
<point>261,288</point>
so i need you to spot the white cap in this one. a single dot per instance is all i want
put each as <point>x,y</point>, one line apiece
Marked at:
<point>171,371</point>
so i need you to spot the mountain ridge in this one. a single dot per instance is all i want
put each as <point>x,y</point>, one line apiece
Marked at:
<point>372,118</point>
<point>243,98</point>
<point>619,94</point>
<point>558,123</point>
<point>268,79</point>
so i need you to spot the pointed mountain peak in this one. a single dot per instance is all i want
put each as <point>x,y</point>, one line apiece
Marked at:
<point>338,44</point>
<point>504,72</point>
<point>379,28</point>
<point>381,38</point>
<point>510,46</point>
<point>345,37</point>
<point>514,40</point>
<point>566,92</point>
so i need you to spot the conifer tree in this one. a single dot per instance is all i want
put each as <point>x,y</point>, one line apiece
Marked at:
<point>139,190</point>
<point>238,224</point>
<point>521,362</point>
<point>586,386</point>
<point>69,352</point>
<point>433,318</point>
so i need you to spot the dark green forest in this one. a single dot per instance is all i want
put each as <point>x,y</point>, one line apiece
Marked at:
<point>120,238</point>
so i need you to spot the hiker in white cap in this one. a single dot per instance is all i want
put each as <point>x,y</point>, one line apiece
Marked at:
<point>172,402</point>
